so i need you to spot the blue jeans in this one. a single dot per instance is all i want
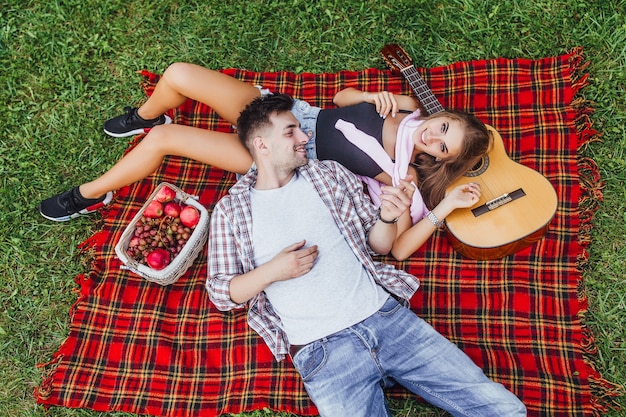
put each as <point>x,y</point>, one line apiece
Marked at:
<point>307,116</point>
<point>345,373</point>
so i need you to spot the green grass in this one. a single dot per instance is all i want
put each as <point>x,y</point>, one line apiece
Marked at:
<point>67,65</point>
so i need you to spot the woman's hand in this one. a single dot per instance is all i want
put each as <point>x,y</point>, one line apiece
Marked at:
<point>461,196</point>
<point>384,101</point>
<point>464,195</point>
<point>396,200</point>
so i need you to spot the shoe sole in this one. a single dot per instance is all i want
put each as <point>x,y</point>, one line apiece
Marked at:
<point>85,211</point>
<point>168,120</point>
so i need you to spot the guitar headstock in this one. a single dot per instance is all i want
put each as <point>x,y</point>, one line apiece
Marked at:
<point>396,57</point>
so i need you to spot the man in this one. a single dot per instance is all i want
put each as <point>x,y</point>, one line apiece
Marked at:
<point>294,239</point>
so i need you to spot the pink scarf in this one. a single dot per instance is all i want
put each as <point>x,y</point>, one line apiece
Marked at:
<point>396,170</point>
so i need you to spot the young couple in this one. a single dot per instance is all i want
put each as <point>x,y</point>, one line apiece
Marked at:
<point>305,271</point>
<point>380,136</point>
<point>292,241</point>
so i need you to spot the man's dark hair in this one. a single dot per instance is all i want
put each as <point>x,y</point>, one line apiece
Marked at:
<point>256,115</point>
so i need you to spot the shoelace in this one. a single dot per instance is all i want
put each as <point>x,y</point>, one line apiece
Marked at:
<point>130,115</point>
<point>69,202</point>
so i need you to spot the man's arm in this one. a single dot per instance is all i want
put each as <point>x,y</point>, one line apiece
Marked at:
<point>395,202</point>
<point>223,260</point>
<point>292,262</point>
<point>228,284</point>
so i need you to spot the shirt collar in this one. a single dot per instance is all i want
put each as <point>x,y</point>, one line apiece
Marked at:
<point>249,179</point>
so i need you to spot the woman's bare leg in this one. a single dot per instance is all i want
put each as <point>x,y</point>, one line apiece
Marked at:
<point>226,95</point>
<point>223,150</point>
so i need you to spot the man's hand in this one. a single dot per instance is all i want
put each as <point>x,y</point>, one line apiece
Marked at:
<point>293,261</point>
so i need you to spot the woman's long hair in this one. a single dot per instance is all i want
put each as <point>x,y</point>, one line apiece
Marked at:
<point>435,176</point>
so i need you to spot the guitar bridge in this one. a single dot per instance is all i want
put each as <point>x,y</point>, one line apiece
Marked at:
<point>498,202</point>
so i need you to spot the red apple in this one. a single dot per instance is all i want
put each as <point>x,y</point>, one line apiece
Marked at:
<point>172,209</point>
<point>189,216</point>
<point>153,210</point>
<point>158,259</point>
<point>165,194</point>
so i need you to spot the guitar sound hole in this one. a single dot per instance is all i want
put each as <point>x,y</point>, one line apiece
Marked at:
<point>479,168</point>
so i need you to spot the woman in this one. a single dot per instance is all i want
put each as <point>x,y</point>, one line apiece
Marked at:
<point>444,146</point>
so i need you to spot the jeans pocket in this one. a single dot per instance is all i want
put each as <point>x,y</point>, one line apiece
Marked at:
<point>390,307</point>
<point>310,359</point>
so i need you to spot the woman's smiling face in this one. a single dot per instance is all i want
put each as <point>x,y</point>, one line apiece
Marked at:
<point>441,137</point>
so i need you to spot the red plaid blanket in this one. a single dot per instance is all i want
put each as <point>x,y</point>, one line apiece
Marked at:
<point>139,347</point>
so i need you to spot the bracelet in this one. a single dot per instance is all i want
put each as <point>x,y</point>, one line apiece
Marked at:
<point>434,219</point>
<point>394,221</point>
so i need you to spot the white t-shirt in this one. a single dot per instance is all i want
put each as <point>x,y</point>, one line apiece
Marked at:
<point>338,292</point>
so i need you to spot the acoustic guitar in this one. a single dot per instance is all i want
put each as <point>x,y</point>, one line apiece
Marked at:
<point>517,203</point>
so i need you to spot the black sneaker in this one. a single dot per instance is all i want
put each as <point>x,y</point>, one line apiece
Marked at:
<point>130,123</point>
<point>65,206</point>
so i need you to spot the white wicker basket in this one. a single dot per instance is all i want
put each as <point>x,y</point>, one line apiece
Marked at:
<point>187,255</point>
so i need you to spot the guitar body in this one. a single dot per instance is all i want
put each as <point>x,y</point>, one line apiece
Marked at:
<point>512,223</point>
<point>517,203</point>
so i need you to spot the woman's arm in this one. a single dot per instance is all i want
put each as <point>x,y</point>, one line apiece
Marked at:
<point>395,203</point>
<point>385,101</point>
<point>409,241</point>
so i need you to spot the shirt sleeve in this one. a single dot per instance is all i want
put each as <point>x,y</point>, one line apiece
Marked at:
<point>223,260</point>
<point>361,202</point>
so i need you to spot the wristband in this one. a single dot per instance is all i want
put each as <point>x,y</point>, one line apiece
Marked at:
<point>434,219</point>
<point>394,221</point>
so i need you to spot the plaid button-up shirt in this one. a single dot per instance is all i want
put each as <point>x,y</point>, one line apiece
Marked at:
<point>231,251</point>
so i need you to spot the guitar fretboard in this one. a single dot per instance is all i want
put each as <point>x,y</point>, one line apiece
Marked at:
<point>425,96</point>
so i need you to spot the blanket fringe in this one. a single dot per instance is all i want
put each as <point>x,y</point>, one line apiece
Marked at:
<point>84,284</point>
<point>43,391</point>
<point>603,392</point>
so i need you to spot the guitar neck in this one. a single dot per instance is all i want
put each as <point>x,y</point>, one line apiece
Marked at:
<point>424,95</point>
